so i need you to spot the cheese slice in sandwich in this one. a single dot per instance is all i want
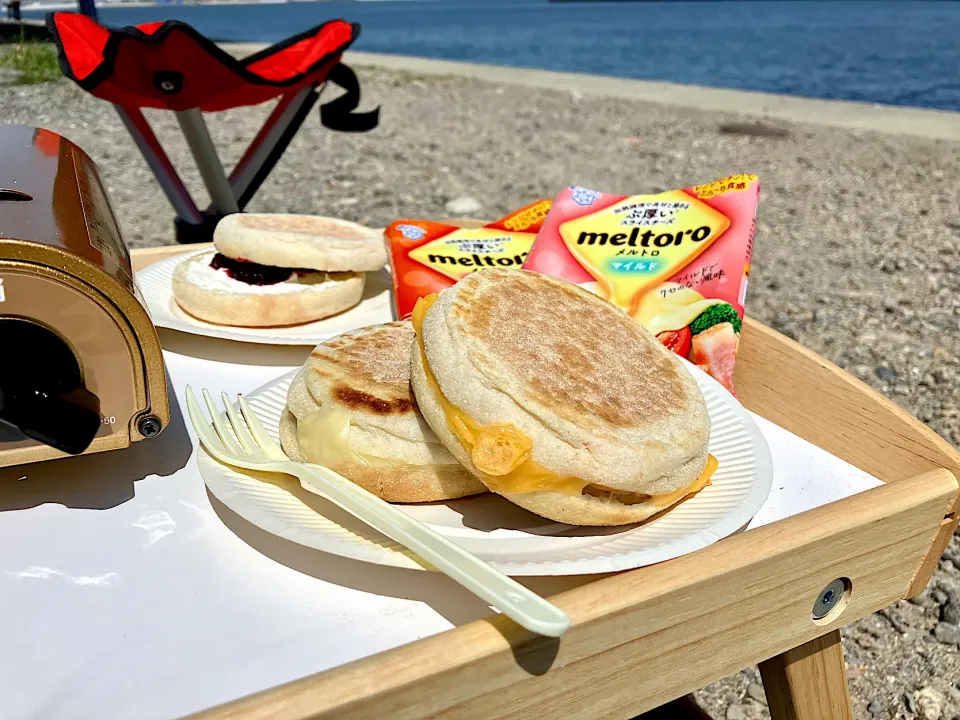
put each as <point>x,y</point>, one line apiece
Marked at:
<point>350,409</point>
<point>631,456</point>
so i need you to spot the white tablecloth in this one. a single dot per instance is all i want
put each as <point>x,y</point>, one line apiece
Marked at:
<point>124,594</point>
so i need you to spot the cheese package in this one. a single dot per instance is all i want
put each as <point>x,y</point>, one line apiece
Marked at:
<point>428,257</point>
<point>677,262</point>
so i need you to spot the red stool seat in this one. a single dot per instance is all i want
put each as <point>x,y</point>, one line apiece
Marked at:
<point>171,66</point>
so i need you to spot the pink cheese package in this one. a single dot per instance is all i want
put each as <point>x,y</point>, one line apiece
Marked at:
<point>678,262</point>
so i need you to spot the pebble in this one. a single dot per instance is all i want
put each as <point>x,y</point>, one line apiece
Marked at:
<point>756,691</point>
<point>463,206</point>
<point>951,613</point>
<point>784,324</point>
<point>947,633</point>
<point>735,712</point>
<point>875,707</point>
<point>910,702</point>
<point>953,556</point>
<point>884,373</point>
<point>930,704</point>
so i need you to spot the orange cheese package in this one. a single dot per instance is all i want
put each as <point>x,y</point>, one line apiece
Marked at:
<point>677,262</point>
<point>428,257</point>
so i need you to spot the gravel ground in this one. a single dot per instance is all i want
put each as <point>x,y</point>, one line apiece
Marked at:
<point>857,256</point>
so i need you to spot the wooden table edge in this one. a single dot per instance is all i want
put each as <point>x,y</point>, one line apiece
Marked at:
<point>741,601</point>
<point>777,378</point>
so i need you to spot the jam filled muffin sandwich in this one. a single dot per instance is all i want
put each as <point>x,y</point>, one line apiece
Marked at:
<point>274,270</point>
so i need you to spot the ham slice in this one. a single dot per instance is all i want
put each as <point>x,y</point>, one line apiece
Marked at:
<point>716,348</point>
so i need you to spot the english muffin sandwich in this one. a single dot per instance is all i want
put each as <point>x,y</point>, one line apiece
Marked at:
<point>271,270</point>
<point>557,400</point>
<point>350,409</point>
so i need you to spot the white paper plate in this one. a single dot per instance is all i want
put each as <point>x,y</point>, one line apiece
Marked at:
<point>511,539</point>
<point>156,283</point>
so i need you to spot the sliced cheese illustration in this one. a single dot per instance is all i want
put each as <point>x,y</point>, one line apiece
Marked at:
<point>466,250</point>
<point>642,240</point>
<point>595,288</point>
<point>510,468</point>
<point>670,306</point>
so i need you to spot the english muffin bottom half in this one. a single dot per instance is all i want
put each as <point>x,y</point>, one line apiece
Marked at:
<point>212,295</point>
<point>557,400</point>
<point>350,408</point>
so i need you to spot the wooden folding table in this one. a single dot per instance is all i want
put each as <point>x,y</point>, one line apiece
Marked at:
<point>646,637</point>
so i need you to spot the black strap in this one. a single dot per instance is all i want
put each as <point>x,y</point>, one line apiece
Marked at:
<point>338,114</point>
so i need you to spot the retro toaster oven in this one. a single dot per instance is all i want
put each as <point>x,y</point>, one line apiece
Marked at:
<point>80,363</point>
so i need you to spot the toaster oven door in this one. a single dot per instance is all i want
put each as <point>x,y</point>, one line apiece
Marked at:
<point>67,380</point>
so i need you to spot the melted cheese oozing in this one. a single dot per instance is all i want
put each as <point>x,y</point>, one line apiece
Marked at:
<point>670,306</point>
<point>502,451</point>
<point>324,438</point>
<point>509,469</point>
<point>667,499</point>
<point>501,448</point>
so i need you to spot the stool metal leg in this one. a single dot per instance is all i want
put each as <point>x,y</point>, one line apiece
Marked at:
<point>266,148</point>
<point>160,164</point>
<point>208,162</point>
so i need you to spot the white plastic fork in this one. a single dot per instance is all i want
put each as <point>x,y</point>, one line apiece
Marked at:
<point>251,448</point>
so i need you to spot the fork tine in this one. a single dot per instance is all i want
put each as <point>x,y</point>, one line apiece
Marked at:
<point>240,428</point>
<point>208,438</point>
<point>229,442</point>
<point>263,439</point>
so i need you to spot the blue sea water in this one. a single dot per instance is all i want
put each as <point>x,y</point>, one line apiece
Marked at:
<point>898,52</point>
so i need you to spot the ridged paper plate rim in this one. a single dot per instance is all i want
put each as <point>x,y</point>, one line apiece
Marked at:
<point>740,487</point>
<point>156,284</point>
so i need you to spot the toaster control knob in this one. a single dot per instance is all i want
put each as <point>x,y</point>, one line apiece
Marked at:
<point>42,393</point>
